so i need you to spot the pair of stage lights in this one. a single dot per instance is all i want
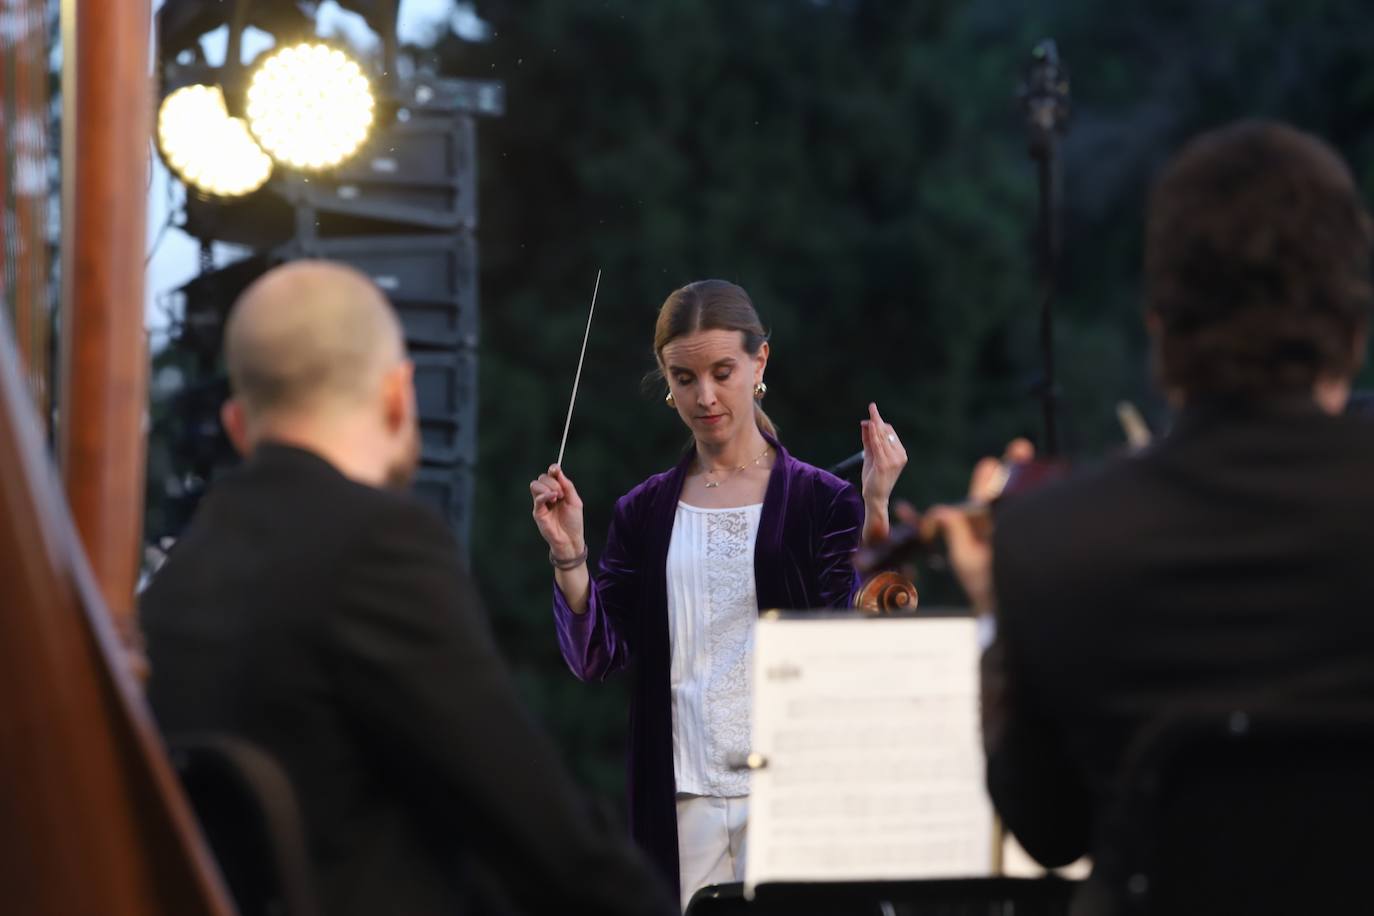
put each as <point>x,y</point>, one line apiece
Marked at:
<point>307,106</point>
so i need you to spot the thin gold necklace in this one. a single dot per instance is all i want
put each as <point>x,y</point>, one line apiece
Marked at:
<point>712,484</point>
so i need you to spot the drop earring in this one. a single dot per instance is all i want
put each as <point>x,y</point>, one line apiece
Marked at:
<point>760,389</point>
<point>669,401</point>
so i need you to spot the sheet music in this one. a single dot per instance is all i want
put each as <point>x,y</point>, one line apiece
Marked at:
<point>873,762</point>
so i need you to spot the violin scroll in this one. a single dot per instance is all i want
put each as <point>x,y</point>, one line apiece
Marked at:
<point>887,593</point>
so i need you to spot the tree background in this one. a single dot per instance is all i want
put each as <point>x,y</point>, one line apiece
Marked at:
<point>859,166</point>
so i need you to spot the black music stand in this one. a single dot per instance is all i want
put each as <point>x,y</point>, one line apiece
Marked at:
<point>1049,896</point>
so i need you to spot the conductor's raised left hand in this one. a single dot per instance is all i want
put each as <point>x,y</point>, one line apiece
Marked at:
<point>884,458</point>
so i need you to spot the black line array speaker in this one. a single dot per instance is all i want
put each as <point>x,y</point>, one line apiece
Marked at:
<point>431,279</point>
<point>420,172</point>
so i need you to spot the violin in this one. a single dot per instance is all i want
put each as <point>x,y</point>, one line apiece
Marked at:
<point>911,543</point>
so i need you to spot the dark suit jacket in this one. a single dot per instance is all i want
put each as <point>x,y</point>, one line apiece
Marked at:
<point>1227,564</point>
<point>331,623</point>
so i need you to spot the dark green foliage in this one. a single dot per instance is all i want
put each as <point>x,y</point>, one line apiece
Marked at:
<point>859,167</point>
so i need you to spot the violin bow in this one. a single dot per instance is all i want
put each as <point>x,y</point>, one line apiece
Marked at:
<point>578,377</point>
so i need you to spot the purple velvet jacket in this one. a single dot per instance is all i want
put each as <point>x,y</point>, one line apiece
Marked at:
<point>808,530</point>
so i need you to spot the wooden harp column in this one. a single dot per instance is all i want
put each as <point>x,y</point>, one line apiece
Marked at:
<point>106,131</point>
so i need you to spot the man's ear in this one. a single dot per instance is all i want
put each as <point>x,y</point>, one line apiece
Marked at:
<point>235,421</point>
<point>398,395</point>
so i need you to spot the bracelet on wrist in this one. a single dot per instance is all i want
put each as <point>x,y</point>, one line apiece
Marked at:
<point>569,562</point>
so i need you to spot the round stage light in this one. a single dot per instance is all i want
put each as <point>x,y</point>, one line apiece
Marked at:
<point>206,148</point>
<point>309,105</point>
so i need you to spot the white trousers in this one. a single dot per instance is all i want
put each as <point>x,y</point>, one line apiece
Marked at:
<point>710,841</point>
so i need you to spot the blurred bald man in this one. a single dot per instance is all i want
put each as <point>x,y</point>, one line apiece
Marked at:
<point>318,612</point>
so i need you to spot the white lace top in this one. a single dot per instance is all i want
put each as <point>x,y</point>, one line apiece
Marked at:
<point>712,607</point>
